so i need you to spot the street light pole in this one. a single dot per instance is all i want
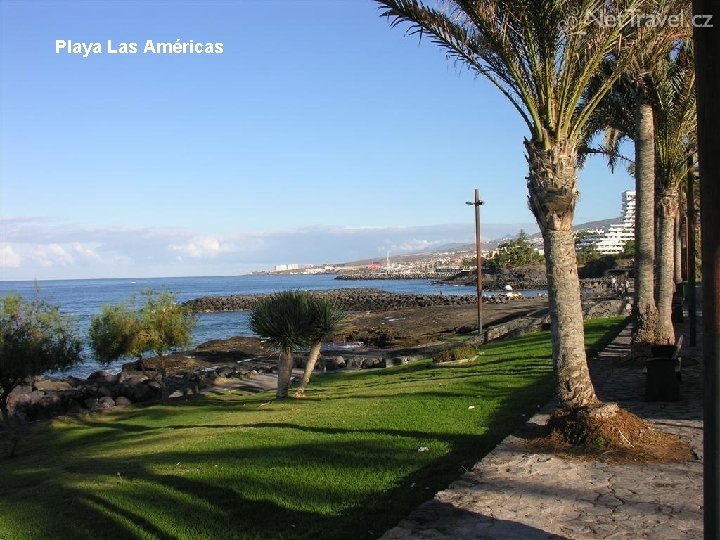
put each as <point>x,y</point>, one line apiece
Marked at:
<point>478,256</point>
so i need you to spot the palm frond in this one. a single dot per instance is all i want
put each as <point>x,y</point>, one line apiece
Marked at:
<point>674,108</point>
<point>282,319</point>
<point>529,51</point>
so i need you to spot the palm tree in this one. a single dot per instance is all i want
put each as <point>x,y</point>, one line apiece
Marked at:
<point>627,110</point>
<point>282,319</point>
<point>542,56</point>
<point>675,114</point>
<point>326,320</point>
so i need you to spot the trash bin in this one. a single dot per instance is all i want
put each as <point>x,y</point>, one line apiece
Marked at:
<point>662,383</point>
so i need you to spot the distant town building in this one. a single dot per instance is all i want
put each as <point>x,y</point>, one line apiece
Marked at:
<point>612,240</point>
<point>285,267</point>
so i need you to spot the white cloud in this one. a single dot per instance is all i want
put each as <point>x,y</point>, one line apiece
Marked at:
<point>414,244</point>
<point>42,249</point>
<point>51,255</point>
<point>8,257</point>
<point>85,252</point>
<point>200,246</point>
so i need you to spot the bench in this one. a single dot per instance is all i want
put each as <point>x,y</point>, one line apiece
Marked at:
<point>664,372</point>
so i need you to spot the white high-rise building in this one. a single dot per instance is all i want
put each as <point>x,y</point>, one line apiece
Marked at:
<point>611,240</point>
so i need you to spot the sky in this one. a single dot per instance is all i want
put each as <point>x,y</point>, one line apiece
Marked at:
<point>318,135</point>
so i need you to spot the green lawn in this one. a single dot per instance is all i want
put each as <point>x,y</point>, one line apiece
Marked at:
<point>343,463</point>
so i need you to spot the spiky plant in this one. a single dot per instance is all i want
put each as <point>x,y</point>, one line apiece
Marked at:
<point>326,320</point>
<point>282,319</point>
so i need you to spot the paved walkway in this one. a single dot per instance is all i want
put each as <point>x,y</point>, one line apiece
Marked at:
<point>515,494</point>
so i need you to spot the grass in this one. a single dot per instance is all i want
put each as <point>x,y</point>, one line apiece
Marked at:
<point>343,463</point>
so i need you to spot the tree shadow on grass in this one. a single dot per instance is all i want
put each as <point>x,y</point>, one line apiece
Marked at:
<point>245,482</point>
<point>244,489</point>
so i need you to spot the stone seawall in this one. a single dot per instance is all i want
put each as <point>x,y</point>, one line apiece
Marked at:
<point>541,319</point>
<point>347,299</point>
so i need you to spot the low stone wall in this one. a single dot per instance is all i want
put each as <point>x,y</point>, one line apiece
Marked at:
<point>597,309</point>
<point>102,391</point>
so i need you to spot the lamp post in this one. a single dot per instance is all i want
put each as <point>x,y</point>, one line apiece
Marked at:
<point>477,205</point>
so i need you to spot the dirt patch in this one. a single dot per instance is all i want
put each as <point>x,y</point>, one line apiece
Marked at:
<point>413,326</point>
<point>614,436</point>
<point>251,352</point>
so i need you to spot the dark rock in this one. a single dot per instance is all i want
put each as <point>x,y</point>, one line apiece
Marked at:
<point>74,408</point>
<point>21,401</point>
<point>91,403</point>
<point>372,362</point>
<point>19,418</point>
<point>142,392</point>
<point>104,391</point>
<point>122,401</point>
<point>133,377</point>
<point>21,389</point>
<point>52,385</point>
<point>104,377</point>
<point>225,371</point>
<point>334,362</point>
<point>105,403</point>
<point>354,362</point>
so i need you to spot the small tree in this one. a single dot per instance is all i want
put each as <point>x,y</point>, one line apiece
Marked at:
<point>282,319</point>
<point>325,320</point>
<point>117,332</point>
<point>34,337</point>
<point>159,325</point>
<point>514,253</point>
<point>587,255</point>
<point>166,323</point>
<point>628,251</point>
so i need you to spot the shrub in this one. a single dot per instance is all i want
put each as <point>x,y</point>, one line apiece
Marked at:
<point>456,353</point>
<point>34,337</point>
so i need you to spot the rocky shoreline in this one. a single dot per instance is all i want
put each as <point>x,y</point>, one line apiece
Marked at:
<point>408,334</point>
<point>522,278</point>
<point>379,275</point>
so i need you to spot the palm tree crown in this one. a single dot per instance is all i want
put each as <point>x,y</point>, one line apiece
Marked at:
<point>282,320</point>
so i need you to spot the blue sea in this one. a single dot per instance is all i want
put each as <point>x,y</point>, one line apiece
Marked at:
<point>84,298</point>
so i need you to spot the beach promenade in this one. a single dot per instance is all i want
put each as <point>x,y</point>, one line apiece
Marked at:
<point>515,493</point>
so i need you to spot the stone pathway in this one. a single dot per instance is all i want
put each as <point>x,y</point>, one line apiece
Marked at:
<point>259,382</point>
<point>516,494</point>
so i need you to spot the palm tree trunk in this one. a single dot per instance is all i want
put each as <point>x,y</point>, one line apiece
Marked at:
<point>678,249</point>
<point>285,362</point>
<point>667,210</point>
<point>552,187</point>
<point>645,310</point>
<point>309,367</point>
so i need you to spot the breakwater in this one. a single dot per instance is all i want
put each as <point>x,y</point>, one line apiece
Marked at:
<point>346,299</point>
<point>523,278</point>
